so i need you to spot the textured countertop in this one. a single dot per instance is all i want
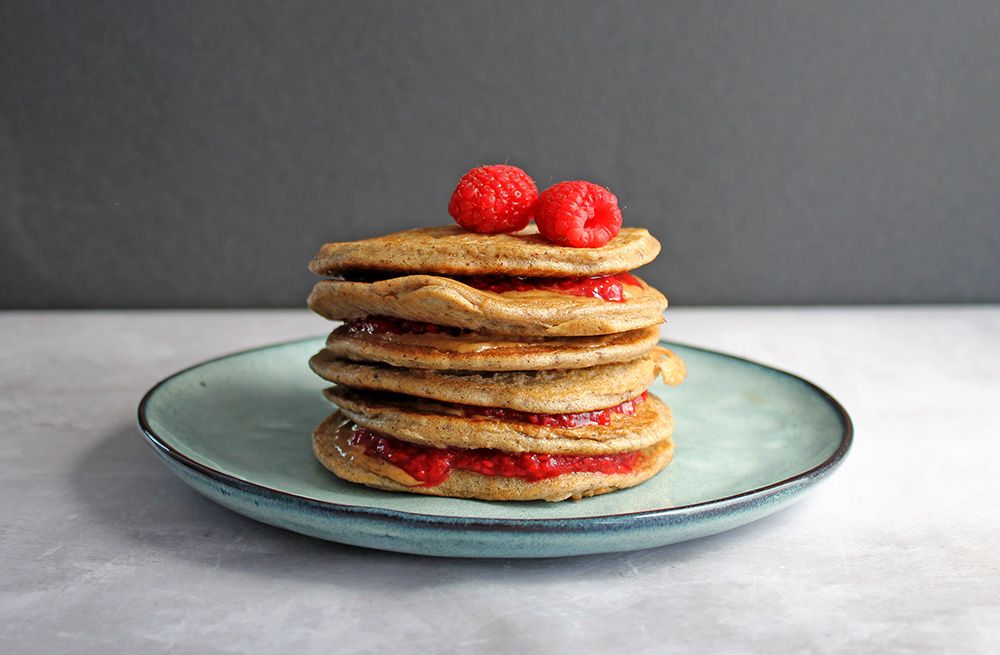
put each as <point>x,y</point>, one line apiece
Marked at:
<point>103,550</point>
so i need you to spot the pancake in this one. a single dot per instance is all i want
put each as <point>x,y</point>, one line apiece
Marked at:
<point>550,392</point>
<point>479,352</point>
<point>435,424</point>
<point>332,449</point>
<point>444,301</point>
<point>450,250</point>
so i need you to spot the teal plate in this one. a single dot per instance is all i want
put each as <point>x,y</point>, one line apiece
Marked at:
<point>750,440</point>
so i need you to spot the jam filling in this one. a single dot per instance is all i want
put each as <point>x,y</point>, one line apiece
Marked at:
<point>432,466</point>
<point>391,325</point>
<point>595,417</point>
<point>603,287</point>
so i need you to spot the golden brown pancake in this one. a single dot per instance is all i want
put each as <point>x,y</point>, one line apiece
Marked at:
<point>450,250</point>
<point>431,423</point>
<point>332,448</point>
<point>550,392</point>
<point>478,352</point>
<point>444,301</point>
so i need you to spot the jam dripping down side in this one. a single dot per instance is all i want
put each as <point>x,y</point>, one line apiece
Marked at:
<point>432,466</point>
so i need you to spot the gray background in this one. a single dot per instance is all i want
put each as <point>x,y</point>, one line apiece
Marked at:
<point>192,154</point>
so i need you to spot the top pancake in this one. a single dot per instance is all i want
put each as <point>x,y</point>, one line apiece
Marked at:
<point>450,250</point>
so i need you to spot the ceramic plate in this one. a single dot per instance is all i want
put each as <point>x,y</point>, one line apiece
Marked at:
<point>750,440</point>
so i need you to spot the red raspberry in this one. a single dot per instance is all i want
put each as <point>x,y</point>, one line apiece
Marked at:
<point>579,214</point>
<point>492,199</point>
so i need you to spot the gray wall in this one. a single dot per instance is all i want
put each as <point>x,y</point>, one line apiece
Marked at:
<point>197,153</point>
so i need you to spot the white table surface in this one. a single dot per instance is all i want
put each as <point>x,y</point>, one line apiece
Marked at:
<point>103,550</point>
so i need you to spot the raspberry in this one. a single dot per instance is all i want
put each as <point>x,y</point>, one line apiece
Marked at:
<point>578,214</point>
<point>492,199</point>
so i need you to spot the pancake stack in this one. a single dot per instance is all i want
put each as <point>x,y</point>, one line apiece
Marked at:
<point>499,367</point>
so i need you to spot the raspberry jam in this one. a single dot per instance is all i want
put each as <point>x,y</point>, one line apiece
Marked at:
<point>432,466</point>
<point>391,325</point>
<point>595,417</point>
<point>604,287</point>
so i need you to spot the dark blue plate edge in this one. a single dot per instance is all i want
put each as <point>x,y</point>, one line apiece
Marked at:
<point>575,525</point>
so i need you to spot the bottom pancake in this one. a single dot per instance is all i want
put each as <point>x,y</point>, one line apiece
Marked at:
<point>332,445</point>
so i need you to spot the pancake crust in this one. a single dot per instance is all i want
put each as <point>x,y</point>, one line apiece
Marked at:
<point>434,424</point>
<point>450,250</point>
<point>479,352</point>
<point>331,447</point>
<point>550,392</point>
<point>442,300</point>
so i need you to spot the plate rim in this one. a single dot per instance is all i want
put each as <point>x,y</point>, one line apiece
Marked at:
<point>447,521</point>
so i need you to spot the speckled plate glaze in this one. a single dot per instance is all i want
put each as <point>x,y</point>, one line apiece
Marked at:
<point>750,441</point>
